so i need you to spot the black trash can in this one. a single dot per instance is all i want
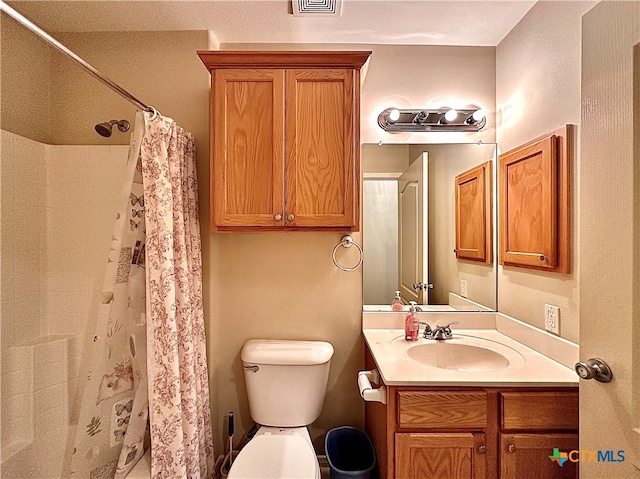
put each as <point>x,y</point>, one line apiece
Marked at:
<point>350,453</point>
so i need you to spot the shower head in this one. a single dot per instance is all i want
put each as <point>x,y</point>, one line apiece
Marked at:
<point>104,129</point>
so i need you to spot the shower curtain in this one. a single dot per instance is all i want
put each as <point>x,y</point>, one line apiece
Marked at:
<point>181,439</point>
<point>147,379</point>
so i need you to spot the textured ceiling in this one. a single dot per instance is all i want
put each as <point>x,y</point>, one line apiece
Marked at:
<point>407,22</point>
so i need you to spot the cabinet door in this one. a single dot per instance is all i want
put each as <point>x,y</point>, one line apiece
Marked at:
<point>528,212</point>
<point>534,203</point>
<point>320,147</point>
<point>441,456</point>
<point>527,456</point>
<point>247,176</point>
<point>473,214</point>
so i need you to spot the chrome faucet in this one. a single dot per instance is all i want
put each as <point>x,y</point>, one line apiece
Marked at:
<point>439,333</point>
<point>427,329</point>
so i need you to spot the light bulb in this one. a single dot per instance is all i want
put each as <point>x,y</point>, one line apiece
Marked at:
<point>394,115</point>
<point>450,115</point>
<point>478,115</point>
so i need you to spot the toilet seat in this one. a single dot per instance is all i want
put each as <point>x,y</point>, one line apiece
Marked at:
<point>269,456</point>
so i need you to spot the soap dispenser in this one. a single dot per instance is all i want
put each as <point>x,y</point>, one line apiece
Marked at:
<point>397,304</point>
<point>411,323</point>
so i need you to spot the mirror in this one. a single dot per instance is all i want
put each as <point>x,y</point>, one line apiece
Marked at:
<point>417,212</point>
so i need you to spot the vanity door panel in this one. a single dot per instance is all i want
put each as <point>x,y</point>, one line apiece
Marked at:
<point>524,456</point>
<point>441,456</point>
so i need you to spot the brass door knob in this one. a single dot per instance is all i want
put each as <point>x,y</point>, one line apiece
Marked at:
<point>290,217</point>
<point>511,448</point>
<point>277,216</point>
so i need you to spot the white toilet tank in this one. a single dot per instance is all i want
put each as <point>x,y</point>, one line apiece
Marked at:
<point>286,380</point>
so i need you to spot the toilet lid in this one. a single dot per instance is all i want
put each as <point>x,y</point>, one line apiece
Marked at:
<point>276,457</point>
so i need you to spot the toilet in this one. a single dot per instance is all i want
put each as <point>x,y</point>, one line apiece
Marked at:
<point>286,383</point>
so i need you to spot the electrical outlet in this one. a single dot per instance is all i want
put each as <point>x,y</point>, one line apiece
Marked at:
<point>463,288</point>
<point>552,318</point>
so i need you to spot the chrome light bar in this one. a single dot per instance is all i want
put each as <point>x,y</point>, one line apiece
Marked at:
<point>444,119</point>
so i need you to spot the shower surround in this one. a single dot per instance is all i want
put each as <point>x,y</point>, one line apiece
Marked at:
<point>57,209</point>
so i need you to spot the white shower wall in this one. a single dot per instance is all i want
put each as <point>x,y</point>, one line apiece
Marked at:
<point>57,212</point>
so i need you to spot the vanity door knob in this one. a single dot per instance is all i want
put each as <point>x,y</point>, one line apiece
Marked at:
<point>277,216</point>
<point>290,217</point>
<point>482,449</point>
<point>511,448</point>
<point>543,257</point>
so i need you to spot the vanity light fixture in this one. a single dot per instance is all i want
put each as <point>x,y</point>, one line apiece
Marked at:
<point>443,119</point>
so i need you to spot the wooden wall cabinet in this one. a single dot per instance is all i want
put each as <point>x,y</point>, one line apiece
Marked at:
<point>285,139</point>
<point>473,433</point>
<point>534,196</point>
<point>473,214</point>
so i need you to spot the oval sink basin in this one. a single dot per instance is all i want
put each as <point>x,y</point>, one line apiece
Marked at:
<point>459,357</point>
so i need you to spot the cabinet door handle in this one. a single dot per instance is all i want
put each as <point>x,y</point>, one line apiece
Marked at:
<point>482,449</point>
<point>511,448</point>
<point>290,217</point>
<point>277,216</point>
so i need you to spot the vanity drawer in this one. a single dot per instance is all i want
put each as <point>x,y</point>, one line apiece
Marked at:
<point>437,410</point>
<point>539,410</point>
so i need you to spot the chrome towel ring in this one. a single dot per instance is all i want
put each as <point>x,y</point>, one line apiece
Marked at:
<point>346,242</point>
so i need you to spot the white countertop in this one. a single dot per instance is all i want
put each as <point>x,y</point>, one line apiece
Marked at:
<point>526,367</point>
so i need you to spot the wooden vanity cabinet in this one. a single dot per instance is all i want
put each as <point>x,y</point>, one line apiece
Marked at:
<point>285,139</point>
<point>473,433</point>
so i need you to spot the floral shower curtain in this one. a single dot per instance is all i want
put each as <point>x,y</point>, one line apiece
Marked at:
<point>147,360</point>
<point>181,440</point>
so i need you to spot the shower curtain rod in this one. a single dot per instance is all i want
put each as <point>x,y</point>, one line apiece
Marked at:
<point>61,48</point>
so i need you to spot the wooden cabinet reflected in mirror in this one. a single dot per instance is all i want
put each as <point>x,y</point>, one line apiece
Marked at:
<point>473,214</point>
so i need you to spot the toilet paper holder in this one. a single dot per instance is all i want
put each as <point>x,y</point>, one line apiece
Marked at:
<point>367,392</point>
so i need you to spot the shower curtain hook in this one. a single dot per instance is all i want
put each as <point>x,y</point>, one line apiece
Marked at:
<point>155,112</point>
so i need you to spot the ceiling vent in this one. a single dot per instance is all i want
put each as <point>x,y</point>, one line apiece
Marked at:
<point>312,8</point>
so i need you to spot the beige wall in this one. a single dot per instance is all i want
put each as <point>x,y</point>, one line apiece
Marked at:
<point>610,234</point>
<point>538,90</point>
<point>159,68</point>
<point>25,83</point>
